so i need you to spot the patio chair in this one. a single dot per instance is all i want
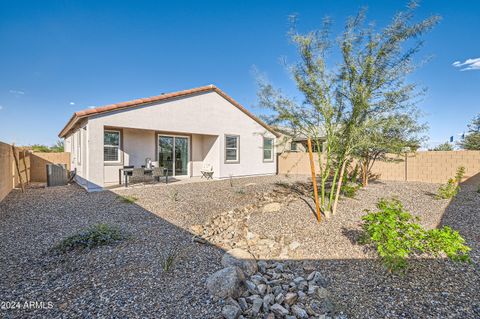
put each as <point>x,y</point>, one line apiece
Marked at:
<point>157,172</point>
<point>138,174</point>
<point>207,171</point>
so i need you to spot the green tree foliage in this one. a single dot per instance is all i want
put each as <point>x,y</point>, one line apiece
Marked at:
<point>396,236</point>
<point>344,102</point>
<point>389,135</point>
<point>57,148</point>
<point>472,139</point>
<point>443,147</point>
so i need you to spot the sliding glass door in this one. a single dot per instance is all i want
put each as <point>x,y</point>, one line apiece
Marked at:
<point>173,153</point>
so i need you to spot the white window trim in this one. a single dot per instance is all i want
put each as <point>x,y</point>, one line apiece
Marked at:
<point>237,159</point>
<point>79,147</point>
<point>272,149</point>
<point>119,146</point>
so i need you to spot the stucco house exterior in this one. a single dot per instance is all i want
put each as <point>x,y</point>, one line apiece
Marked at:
<point>184,130</point>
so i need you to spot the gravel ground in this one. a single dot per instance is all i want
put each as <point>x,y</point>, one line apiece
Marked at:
<point>127,280</point>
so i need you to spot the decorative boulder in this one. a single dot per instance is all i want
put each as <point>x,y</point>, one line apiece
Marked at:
<point>241,259</point>
<point>227,282</point>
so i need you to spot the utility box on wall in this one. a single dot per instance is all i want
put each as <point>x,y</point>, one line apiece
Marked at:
<point>56,174</point>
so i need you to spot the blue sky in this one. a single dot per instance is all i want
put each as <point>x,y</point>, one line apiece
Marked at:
<point>58,57</point>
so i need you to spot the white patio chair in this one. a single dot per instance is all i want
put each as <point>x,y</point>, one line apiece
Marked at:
<point>207,171</point>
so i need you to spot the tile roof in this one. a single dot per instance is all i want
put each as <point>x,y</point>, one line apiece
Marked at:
<point>163,97</point>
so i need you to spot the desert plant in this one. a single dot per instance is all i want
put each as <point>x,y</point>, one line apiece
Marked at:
<point>174,195</point>
<point>448,190</point>
<point>350,189</point>
<point>128,199</point>
<point>94,236</point>
<point>394,233</point>
<point>240,191</point>
<point>478,188</point>
<point>460,173</point>
<point>451,188</point>
<point>230,178</point>
<point>168,262</point>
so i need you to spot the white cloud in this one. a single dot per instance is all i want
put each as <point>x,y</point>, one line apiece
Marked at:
<point>91,106</point>
<point>17,92</point>
<point>1,107</point>
<point>72,103</point>
<point>469,64</point>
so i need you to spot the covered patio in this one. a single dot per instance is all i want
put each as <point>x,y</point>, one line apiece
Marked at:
<point>181,155</point>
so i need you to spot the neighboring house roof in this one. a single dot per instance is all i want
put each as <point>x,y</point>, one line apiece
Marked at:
<point>163,97</point>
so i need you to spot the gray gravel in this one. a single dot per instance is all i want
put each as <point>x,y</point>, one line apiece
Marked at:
<point>127,280</point>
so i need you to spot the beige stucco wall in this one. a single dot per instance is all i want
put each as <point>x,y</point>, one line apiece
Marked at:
<point>205,117</point>
<point>430,167</point>
<point>38,162</point>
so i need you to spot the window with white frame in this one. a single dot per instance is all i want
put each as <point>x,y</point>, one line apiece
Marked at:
<point>111,146</point>
<point>267,149</point>
<point>232,148</point>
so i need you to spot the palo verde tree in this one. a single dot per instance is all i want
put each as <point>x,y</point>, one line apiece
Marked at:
<point>319,115</point>
<point>341,102</point>
<point>375,89</point>
<point>472,139</point>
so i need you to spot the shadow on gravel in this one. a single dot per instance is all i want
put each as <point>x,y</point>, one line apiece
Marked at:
<point>130,280</point>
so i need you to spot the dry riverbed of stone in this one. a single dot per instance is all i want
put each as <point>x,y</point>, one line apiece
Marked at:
<point>292,266</point>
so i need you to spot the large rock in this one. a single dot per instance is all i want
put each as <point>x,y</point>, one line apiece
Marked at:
<point>227,282</point>
<point>279,310</point>
<point>231,312</point>
<point>272,207</point>
<point>299,312</point>
<point>241,259</point>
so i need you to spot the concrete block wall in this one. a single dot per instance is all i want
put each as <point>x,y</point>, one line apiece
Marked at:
<point>429,167</point>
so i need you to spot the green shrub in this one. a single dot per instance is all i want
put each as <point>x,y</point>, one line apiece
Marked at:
<point>396,236</point>
<point>460,173</point>
<point>128,199</point>
<point>478,188</point>
<point>94,236</point>
<point>451,188</point>
<point>350,189</point>
<point>448,190</point>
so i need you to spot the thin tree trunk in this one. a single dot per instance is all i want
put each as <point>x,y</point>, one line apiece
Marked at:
<point>339,186</point>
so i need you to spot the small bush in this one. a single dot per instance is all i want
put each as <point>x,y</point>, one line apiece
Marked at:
<point>350,189</point>
<point>174,195</point>
<point>451,188</point>
<point>240,191</point>
<point>128,199</point>
<point>448,190</point>
<point>478,188</point>
<point>96,235</point>
<point>396,237</point>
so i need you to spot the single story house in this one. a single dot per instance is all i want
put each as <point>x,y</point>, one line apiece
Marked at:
<point>182,131</point>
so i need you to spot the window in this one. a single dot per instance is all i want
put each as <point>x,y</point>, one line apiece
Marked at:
<point>232,147</point>
<point>293,146</point>
<point>267,149</point>
<point>79,147</point>
<point>111,146</point>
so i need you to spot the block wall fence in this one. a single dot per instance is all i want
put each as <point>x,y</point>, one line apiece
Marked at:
<point>429,167</point>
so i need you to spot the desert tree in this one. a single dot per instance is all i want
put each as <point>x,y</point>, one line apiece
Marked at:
<point>472,140</point>
<point>341,102</point>
<point>385,136</point>
<point>443,147</point>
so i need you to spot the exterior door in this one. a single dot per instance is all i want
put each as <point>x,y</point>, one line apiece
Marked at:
<point>173,153</point>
